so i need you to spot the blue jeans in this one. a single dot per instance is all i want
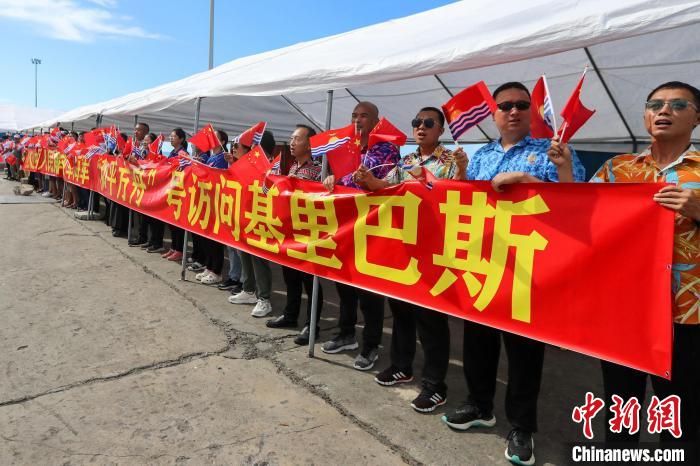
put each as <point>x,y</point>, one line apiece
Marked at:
<point>234,271</point>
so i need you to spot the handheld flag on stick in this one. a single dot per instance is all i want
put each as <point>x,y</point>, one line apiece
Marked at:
<point>252,136</point>
<point>254,164</point>
<point>384,131</point>
<point>468,108</point>
<point>205,139</point>
<point>543,123</point>
<point>154,148</point>
<point>574,113</point>
<point>342,149</point>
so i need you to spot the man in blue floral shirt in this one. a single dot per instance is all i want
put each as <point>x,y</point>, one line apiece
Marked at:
<point>514,158</point>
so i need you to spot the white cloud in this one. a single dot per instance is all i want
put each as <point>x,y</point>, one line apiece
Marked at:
<point>69,20</point>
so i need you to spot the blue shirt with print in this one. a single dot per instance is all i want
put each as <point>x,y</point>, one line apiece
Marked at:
<point>529,156</point>
<point>217,161</point>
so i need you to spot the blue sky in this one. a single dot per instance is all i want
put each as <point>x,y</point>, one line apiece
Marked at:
<point>94,50</point>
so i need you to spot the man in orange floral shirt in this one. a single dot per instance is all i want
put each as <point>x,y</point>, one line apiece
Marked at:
<point>672,112</point>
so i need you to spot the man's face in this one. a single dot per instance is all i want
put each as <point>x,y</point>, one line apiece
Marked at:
<point>140,132</point>
<point>668,124</point>
<point>513,122</point>
<point>299,143</point>
<point>425,135</point>
<point>364,119</point>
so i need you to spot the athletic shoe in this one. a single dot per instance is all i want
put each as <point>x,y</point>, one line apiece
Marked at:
<point>302,339</point>
<point>154,249</point>
<point>167,253</point>
<point>366,359</point>
<point>137,243</point>
<point>428,400</point>
<point>195,267</point>
<point>468,416</point>
<point>228,284</point>
<point>521,447</point>
<point>146,245</point>
<point>262,308</point>
<point>201,275</point>
<point>391,376</point>
<point>244,297</point>
<point>282,322</point>
<point>175,256</point>
<point>340,343</point>
<point>211,279</point>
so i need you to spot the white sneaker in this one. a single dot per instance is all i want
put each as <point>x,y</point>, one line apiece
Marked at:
<point>201,275</point>
<point>244,297</point>
<point>46,194</point>
<point>211,279</point>
<point>262,308</point>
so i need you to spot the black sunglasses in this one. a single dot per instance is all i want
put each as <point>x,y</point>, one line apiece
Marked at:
<point>508,106</point>
<point>428,122</point>
<point>676,105</point>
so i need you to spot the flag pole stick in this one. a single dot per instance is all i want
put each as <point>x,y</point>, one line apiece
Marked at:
<point>551,102</point>
<point>313,319</point>
<point>185,236</point>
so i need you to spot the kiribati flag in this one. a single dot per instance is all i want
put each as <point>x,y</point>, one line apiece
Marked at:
<point>330,140</point>
<point>468,108</point>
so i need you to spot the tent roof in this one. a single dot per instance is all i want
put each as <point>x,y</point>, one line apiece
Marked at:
<point>404,64</point>
<point>14,118</point>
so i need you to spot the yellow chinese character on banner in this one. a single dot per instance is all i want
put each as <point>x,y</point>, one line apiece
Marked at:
<point>123,182</point>
<point>84,171</point>
<point>176,192</point>
<point>525,246</point>
<point>227,205</point>
<point>139,185</point>
<point>314,212</point>
<point>202,210</point>
<point>408,234</point>
<point>262,221</point>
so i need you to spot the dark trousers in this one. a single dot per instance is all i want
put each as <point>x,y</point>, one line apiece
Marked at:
<point>83,197</point>
<point>295,280</point>
<point>212,253</point>
<point>141,222</point>
<point>481,351</point>
<point>198,249</point>
<point>118,217</point>
<point>177,238</point>
<point>685,382</point>
<point>372,307</point>
<point>434,333</point>
<point>157,230</point>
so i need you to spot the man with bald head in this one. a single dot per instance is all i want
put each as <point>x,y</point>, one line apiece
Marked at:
<point>380,159</point>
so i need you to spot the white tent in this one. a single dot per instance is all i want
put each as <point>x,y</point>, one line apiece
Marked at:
<point>14,118</point>
<point>401,65</point>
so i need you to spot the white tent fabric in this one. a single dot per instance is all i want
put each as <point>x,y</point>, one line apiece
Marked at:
<point>14,118</point>
<point>401,65</point>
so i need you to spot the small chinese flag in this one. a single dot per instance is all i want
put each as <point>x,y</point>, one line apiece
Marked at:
<point>384,131</point>
<point>252,136</point>
<point>342,149</point>
<point>94,138</point>
<point>45,142</point>
<point>574,113</point>
<point>205,140</point>
<point>154,149</point>
<point>253,164</point>
<point>128,147</point>
<point>121,143</point>
<point>541,111</point>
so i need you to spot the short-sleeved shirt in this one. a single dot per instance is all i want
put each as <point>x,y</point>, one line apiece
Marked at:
<point>217,161</point>
<point>685,172</point>
<point>439,163</point>
<point>309,170</point>
<point>529,155</point>
<point>381,158</point>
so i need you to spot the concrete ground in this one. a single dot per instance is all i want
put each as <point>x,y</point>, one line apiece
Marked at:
<point>108,358</point>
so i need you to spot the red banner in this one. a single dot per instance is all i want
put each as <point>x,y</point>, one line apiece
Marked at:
<point>581,266</point>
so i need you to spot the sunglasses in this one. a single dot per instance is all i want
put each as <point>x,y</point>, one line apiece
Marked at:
<point>508,106</point>
<point>427,122</point>
<point>676,105</point>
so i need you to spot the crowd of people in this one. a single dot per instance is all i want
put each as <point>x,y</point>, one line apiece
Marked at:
<point>671,112</point>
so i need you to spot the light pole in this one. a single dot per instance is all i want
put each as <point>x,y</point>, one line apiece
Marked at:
<point>36,62</point>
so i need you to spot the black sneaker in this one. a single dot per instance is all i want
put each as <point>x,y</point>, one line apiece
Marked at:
<point>468,416</point>
<point>155,249</point>
<point>428,400</point>
<point>303,338</point>
<point>146,245</point>
<point>392,375</point>
<point>521,447</point>
<point>228,284</point>
<point>282,322</point>
<point>137,243</point>
<point>366,359</point>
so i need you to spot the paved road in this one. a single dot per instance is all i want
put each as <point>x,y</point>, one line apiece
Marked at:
<point>107,358</point>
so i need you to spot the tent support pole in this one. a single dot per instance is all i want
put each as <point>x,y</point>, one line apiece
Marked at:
<point>185,236</point>
<point>452,95</point>
<point>612,99</point>
<point>352,95</point>
<point>303,113</point>
<point>314,293</point>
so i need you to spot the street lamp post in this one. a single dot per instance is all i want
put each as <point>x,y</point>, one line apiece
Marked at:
<point>36,62</point>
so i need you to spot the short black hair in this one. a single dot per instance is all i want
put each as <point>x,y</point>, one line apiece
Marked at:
<point>182,135</point>
<point>145,125</point>
<point>267,142</point>
<point>309,130</point>
<point>679,85</point>
<point>223,137</point>
<point>441,117</point>
<point>510,85</point>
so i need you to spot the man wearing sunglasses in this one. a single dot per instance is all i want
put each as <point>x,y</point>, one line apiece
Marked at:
<point>432,326</point>
<point>670,116</point>
<point>514,158</point>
